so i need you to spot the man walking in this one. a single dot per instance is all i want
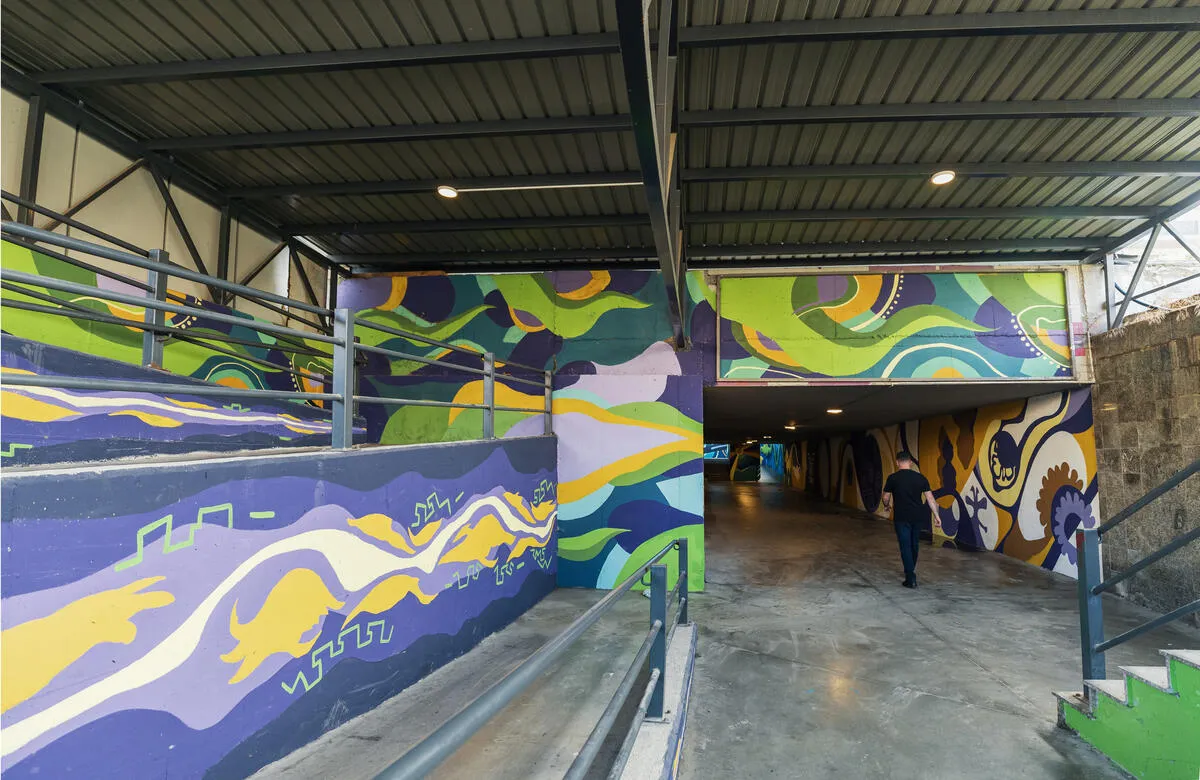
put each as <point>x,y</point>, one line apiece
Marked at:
<point>910,493</point>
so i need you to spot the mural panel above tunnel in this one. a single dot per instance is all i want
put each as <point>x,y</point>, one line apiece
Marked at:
<point>921,326</point>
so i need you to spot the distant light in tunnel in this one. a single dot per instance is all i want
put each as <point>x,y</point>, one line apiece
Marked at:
<point>790,427</point>
<point>942,177</point>
<point>833,411</point>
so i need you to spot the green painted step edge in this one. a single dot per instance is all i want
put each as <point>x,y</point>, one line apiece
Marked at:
<point>1152,738</point>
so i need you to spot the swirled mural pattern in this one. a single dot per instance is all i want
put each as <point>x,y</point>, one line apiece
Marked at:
<point>949,326</point>
<point>1018,477</point>
<point>261,604</point>
<point>54,426</point>
<point>627,407</point>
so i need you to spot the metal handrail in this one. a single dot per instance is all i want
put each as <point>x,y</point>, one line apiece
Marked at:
<point>344,344</point>
<point>1152,495</point>
<point>451,735</point>
<point>171,269</point>
<point>63,219</point>
<point>1092,643</point>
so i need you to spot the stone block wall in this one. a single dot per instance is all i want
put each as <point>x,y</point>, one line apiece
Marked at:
<point>1147,419</point>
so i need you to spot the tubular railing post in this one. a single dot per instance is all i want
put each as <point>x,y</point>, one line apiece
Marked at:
<point>1091,611</point>
<point>343,379</point>
<point>152,342</point>
<point>683,583</point>
<point>658,651</point>
<point>489,395</point>
<point>549,415</point>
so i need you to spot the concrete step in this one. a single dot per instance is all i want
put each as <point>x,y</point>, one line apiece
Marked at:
<point>1189,657</point>
<point>1114,689</point>
<point>1154,676</point>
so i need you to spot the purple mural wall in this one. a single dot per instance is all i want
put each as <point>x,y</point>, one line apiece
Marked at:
<point>205,618</point>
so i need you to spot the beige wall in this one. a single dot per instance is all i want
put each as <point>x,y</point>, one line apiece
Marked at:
<point>73,165</point>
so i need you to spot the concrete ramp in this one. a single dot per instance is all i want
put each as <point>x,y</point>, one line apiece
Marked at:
<point>537,736</point>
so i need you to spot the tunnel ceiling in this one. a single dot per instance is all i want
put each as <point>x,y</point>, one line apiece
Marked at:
<point>738,413</point>
<point>807,132</point>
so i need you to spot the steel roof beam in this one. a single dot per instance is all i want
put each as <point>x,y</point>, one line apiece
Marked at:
<point>645,259</point>
<point>811,30</point>
<point>922,112</point>
<point>835,215</point>
<point>879,28</point>
<point>695,175</point>
<point>888,247</point>
<point>435,131</point>
<point>350,59</point>
<point>889,112</point>
<point>925,170</point>
<point>407,187</point>
<point>466,225</point>
<point>1056,213</point>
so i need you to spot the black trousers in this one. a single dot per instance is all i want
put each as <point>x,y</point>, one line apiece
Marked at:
<point>909,536</point>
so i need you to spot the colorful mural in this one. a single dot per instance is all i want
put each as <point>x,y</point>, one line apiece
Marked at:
<point>209,617</point>
<point>772,462</point>
<point>627,407</point>
<point>1018,477</point>
<point>904,325</point>
<point>716,451</point>
<point>54,426</point>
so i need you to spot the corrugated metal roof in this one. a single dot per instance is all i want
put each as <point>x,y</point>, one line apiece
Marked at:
<point>1111,64</point>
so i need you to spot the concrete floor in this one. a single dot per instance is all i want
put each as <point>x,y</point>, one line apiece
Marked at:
<point>813,663</point>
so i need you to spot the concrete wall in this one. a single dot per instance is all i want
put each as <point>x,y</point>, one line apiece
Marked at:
<point>206,617</point>
<point>1018,478</point>
<point>73,165</point>
<point>1147,401</point>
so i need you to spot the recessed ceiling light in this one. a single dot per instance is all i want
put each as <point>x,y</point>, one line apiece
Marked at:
<point>446,191</point>
<point>833,411</point>
<point>942,177</point>
<point>766,436</point>
<point>790,427</point>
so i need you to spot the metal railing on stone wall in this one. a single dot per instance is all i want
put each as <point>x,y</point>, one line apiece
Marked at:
<point>343,339</point>
<point>1093,645</point>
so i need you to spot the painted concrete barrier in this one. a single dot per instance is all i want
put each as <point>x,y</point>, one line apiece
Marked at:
<point>206,617</point>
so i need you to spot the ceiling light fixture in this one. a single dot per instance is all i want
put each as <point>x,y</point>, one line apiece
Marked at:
<point>942,177</point>
<point>833,411</point>
<point>446,191</point>
<point>790,427</point>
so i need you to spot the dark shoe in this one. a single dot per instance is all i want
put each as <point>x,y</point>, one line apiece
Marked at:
<point>909,584</point>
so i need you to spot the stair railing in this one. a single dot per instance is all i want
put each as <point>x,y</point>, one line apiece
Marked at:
<point>1091,586</point>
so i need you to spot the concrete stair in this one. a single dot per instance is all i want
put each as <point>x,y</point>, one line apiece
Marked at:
<point>1147,721</point>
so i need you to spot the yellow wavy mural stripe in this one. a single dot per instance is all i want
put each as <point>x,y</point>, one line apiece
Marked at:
<point>35,652</point>
<point>597,284</point>
<point>155,420</point>
<point>380,527</point>
<point>293,608</point>
<point>388,594</point>
<point>22,407</point>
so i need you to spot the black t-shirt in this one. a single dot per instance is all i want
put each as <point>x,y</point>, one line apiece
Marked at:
<point>907,486</point>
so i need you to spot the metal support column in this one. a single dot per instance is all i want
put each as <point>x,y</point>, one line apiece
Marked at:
<point>658,650</point>
<point>683,580</point>
<point>652,136</point>
<point>1110,279</point>
<point>153,338</point>
<point>489,395</point>
<point>1091,611</point>
<point>31,159</point>
<point>223,251</point>
<point>1137,275</point>
<point>548,428</point>
<point>343,379</point>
